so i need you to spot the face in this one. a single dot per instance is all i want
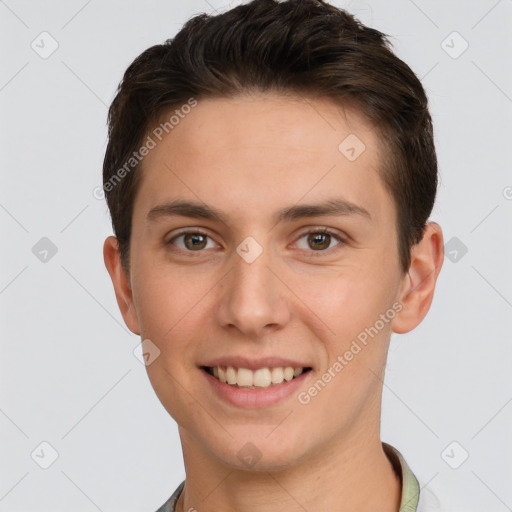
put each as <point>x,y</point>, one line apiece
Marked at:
<point>261,243</point>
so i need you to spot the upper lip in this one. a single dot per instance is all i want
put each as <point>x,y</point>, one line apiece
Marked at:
<point>254,364</point>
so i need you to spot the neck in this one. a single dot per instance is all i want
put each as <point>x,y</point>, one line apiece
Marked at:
<point>347,475</point>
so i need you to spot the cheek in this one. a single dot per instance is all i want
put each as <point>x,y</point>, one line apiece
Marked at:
<point>347,301</point>
<point>169,309</point>
<point>165,303</point>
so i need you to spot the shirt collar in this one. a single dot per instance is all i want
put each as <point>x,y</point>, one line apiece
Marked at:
<point>410,485</point>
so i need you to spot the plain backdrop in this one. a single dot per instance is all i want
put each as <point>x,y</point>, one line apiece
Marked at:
<point>75,398</point>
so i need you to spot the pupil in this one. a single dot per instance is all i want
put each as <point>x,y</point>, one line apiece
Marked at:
<point>194,241</point>
<point>316,238</point>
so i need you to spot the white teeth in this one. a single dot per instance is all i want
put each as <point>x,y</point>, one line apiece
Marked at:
<point>277,375</point>
<point>260,378</point>
<point>244,377</point>
<point>231,375</point>
<point>288,373</point>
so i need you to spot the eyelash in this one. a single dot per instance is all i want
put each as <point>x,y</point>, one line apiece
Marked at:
<point>318,253</point>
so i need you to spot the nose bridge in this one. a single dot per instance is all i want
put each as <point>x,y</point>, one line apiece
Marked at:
<point>253,298</point>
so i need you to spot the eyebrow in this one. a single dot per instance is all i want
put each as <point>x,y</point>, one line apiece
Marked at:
<point>195,210</point>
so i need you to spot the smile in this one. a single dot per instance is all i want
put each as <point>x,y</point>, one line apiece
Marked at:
<point>258,379</point>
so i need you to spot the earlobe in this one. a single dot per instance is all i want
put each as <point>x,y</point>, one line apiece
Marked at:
<point>121,283</point>
<point>419,283</point>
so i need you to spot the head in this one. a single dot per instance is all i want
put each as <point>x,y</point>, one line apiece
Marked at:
<point>277,120</point>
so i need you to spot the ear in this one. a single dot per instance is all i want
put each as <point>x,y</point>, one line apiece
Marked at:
<point>121,283</point>
<point>417,290</point>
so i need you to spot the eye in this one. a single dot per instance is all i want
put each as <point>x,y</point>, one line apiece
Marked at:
<point>319,240</point>
<point>192,241</point>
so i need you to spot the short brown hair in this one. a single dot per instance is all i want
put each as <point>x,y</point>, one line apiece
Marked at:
<point>304,47</point>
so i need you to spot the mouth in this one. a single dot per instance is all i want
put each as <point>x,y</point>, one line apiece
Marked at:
<point>259,378</point>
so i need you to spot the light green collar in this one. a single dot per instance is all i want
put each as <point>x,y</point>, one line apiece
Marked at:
<point>410,485</point>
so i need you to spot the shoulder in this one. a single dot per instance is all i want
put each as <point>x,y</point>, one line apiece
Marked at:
<point>415,497</point>
<point>170,504</point>
<point>428,501</point>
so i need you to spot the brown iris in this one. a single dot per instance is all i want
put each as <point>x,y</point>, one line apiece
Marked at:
<point>194,241</point>
<point>322,239</point>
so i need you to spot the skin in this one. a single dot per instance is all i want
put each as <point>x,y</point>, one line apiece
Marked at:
<point>250,157</point>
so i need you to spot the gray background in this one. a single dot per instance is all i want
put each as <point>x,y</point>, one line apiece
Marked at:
<point>68,374</point>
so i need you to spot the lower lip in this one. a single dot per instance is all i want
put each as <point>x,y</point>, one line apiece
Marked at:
<point>254,398</point>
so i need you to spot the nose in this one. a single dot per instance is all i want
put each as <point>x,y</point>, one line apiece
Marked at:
<point>253,300</point>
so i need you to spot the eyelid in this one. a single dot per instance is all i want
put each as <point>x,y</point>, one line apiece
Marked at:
<point>309,230</point>
<point>186,231</point>
<point>342,239</point>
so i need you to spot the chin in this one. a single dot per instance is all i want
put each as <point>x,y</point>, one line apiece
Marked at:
<point>260,449</point>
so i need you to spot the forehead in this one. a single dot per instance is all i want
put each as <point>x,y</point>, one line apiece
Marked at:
<point>253,150</point>
<point>287,122</point>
